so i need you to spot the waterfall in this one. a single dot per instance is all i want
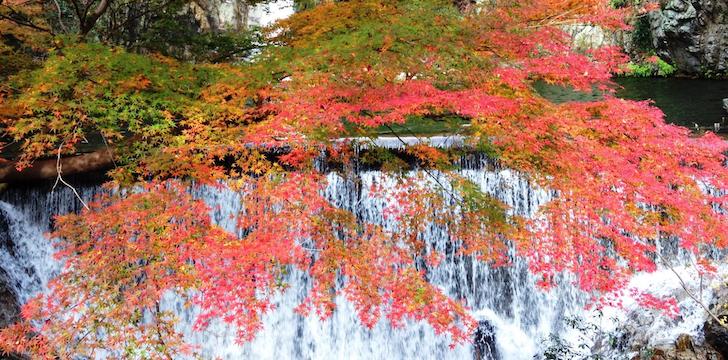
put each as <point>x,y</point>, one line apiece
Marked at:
<point>266,14</point>
<point>515,317</point>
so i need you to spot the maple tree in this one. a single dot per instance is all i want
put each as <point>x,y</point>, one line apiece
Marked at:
<point>622,178</point>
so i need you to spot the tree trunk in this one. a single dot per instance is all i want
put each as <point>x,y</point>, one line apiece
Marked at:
<point>88,21</point>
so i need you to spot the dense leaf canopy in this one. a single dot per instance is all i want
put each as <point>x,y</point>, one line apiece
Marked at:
<point>622,178</point>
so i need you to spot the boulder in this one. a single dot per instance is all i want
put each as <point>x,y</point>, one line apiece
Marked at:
<point>219,15</point>
<point>683,349</point>
<point>484,346</point>
<point>716,334</point>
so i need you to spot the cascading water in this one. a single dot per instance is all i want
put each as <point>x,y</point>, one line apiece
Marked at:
<point>515,317</point>
<point>266,14</point>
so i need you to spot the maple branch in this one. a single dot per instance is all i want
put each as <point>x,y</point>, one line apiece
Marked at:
<point>100,10</point>
<point>77,10</point>
<point>89,21</point>
<point>22,20</point>
<point>425,169</point>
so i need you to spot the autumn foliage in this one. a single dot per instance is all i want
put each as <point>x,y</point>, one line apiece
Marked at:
<point>622,178</point>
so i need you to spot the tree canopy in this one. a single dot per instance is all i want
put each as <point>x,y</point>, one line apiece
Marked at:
<point>622,178</point>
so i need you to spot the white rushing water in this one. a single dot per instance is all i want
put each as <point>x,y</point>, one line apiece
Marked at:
<point>266,14</point>
<point>516,318</point>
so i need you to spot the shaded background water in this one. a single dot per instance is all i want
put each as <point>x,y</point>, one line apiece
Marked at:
<point>684,101</point>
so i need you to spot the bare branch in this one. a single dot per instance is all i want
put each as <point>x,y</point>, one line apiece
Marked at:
<point>60,16</point>
<point>59,178</point>
<point>690,293</point>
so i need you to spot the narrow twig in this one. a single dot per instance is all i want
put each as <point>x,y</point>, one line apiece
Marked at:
<point>548,20</point>
<point>688,292</point>
<point>59,178</point>
<point>683,284</point>
<point>108,150</point>
<point>60,16</point>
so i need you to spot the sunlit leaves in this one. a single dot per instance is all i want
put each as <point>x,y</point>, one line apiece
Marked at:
<point>622,180</point>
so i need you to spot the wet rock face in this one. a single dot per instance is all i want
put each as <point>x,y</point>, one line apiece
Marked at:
<point>683,349</point>
<point>9,307</point>
<point>484,346</point>
<point>693,35</point>
<point>716,334</point>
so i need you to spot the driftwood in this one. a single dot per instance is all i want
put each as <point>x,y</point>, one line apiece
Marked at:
<point>47,169</point>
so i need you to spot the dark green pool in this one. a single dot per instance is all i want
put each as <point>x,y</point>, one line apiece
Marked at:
<point>684,101</point>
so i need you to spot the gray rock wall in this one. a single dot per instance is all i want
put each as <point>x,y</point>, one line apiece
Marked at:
<point>217,15</point>
<point>693,35</point>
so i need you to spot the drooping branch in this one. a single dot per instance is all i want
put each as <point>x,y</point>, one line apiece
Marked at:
<point>21,19</point>
<point>59,178</point>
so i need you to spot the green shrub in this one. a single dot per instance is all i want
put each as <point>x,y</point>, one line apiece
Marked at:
<point>649,67</point>
<point>664,68</point>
